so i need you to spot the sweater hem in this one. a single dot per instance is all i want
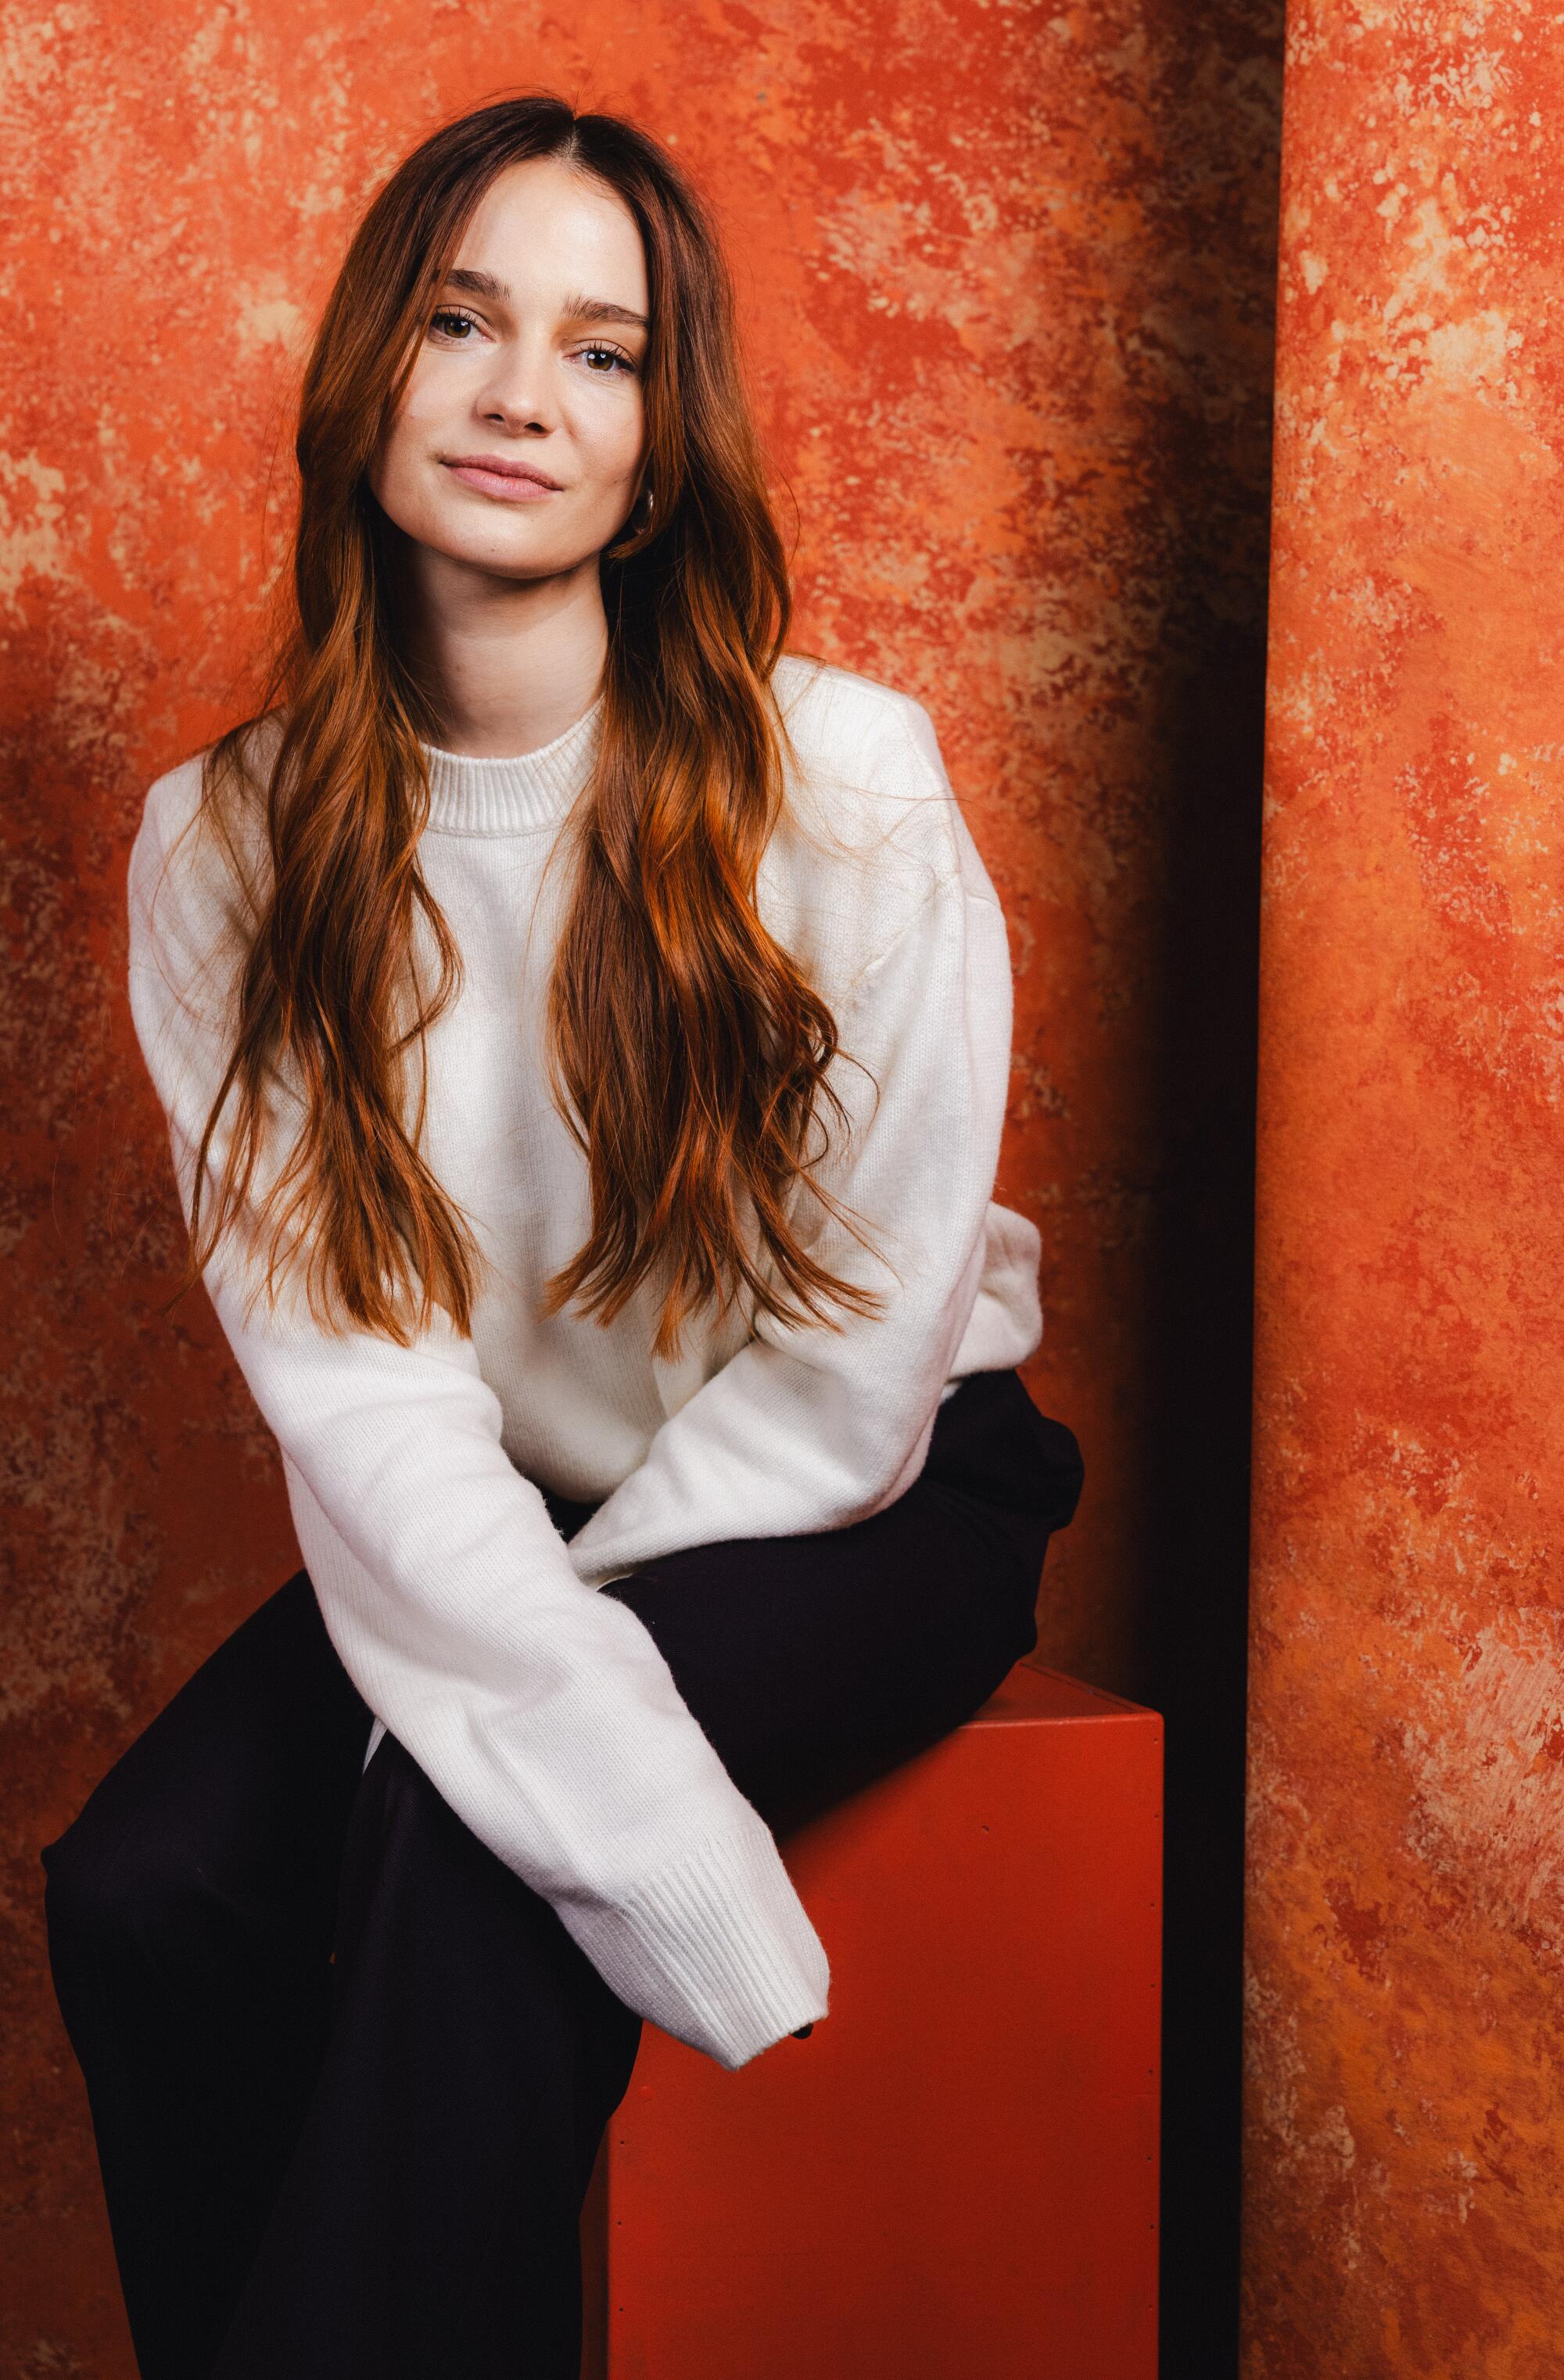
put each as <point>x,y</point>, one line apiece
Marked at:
<point>718,1951</point>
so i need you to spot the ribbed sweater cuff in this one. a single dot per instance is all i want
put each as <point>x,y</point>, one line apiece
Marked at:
<point>718,1952</point>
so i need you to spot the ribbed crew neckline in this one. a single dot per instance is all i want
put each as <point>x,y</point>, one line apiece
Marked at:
<point>516,795</point>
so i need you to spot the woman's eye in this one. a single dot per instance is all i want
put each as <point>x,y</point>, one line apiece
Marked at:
<point>453,327</point>
<point>449,320</point>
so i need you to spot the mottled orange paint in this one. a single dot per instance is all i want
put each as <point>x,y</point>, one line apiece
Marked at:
<point>1404,2167</point>
<point>1006,277</point>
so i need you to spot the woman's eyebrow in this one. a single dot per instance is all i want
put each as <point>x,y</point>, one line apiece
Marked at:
<point>479,284</point>
<point>601,310</point>
<point>577,309</point>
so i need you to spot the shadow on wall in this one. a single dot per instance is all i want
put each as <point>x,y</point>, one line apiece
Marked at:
<point>1190,1632</point>
<point>1203,286</point>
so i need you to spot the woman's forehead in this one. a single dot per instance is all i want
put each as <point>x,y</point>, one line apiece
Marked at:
<point>542,229</point>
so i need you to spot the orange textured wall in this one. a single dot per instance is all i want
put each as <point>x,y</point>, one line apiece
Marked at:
<point>1404,2194</point>
<point>1007,276</point>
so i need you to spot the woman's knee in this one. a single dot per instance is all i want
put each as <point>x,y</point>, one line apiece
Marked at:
<point>122,1889</point>
<point>1009,1635</point>
<point>147,1856</point>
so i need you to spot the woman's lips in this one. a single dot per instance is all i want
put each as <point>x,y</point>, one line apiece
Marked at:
<point>512,487</point>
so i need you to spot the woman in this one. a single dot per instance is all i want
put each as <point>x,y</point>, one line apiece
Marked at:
<point>583,1028</point>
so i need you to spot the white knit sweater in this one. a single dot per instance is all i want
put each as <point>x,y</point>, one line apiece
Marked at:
<point>541,1710</point>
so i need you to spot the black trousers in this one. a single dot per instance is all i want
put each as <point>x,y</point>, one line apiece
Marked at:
<point>347,2072</point>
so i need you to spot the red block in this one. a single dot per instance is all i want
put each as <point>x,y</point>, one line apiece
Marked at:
<point>954,2177</point>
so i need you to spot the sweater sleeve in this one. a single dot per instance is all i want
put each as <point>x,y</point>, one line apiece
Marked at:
<point>541,1710</point>
<point>805,1428</point>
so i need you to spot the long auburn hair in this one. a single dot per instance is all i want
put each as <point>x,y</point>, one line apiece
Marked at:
<point>697,1151</point>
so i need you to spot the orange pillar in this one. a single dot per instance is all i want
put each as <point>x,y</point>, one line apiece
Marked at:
<point>1405,2196</point>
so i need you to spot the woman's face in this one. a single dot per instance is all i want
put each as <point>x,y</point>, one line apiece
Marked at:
<point>532,365</point>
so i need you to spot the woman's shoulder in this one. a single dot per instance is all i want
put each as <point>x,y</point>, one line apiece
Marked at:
<point>868,774</point>
<point>170,803</point>
<point>871,827</point>
<point>196,862</point>
<point>841,718</point>
<point>175,800</point>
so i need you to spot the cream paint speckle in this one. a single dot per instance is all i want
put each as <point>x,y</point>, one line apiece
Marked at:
<point>272,320</point>
<point>1490,1772</point>
<point>32,513</point>
<point>1471,351</point>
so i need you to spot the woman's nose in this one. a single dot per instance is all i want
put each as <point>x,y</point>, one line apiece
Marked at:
<point>519,391</point>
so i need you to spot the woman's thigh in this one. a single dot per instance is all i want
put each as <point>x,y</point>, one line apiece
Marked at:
<point>241,1785</point>
<point>816,1663</point>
